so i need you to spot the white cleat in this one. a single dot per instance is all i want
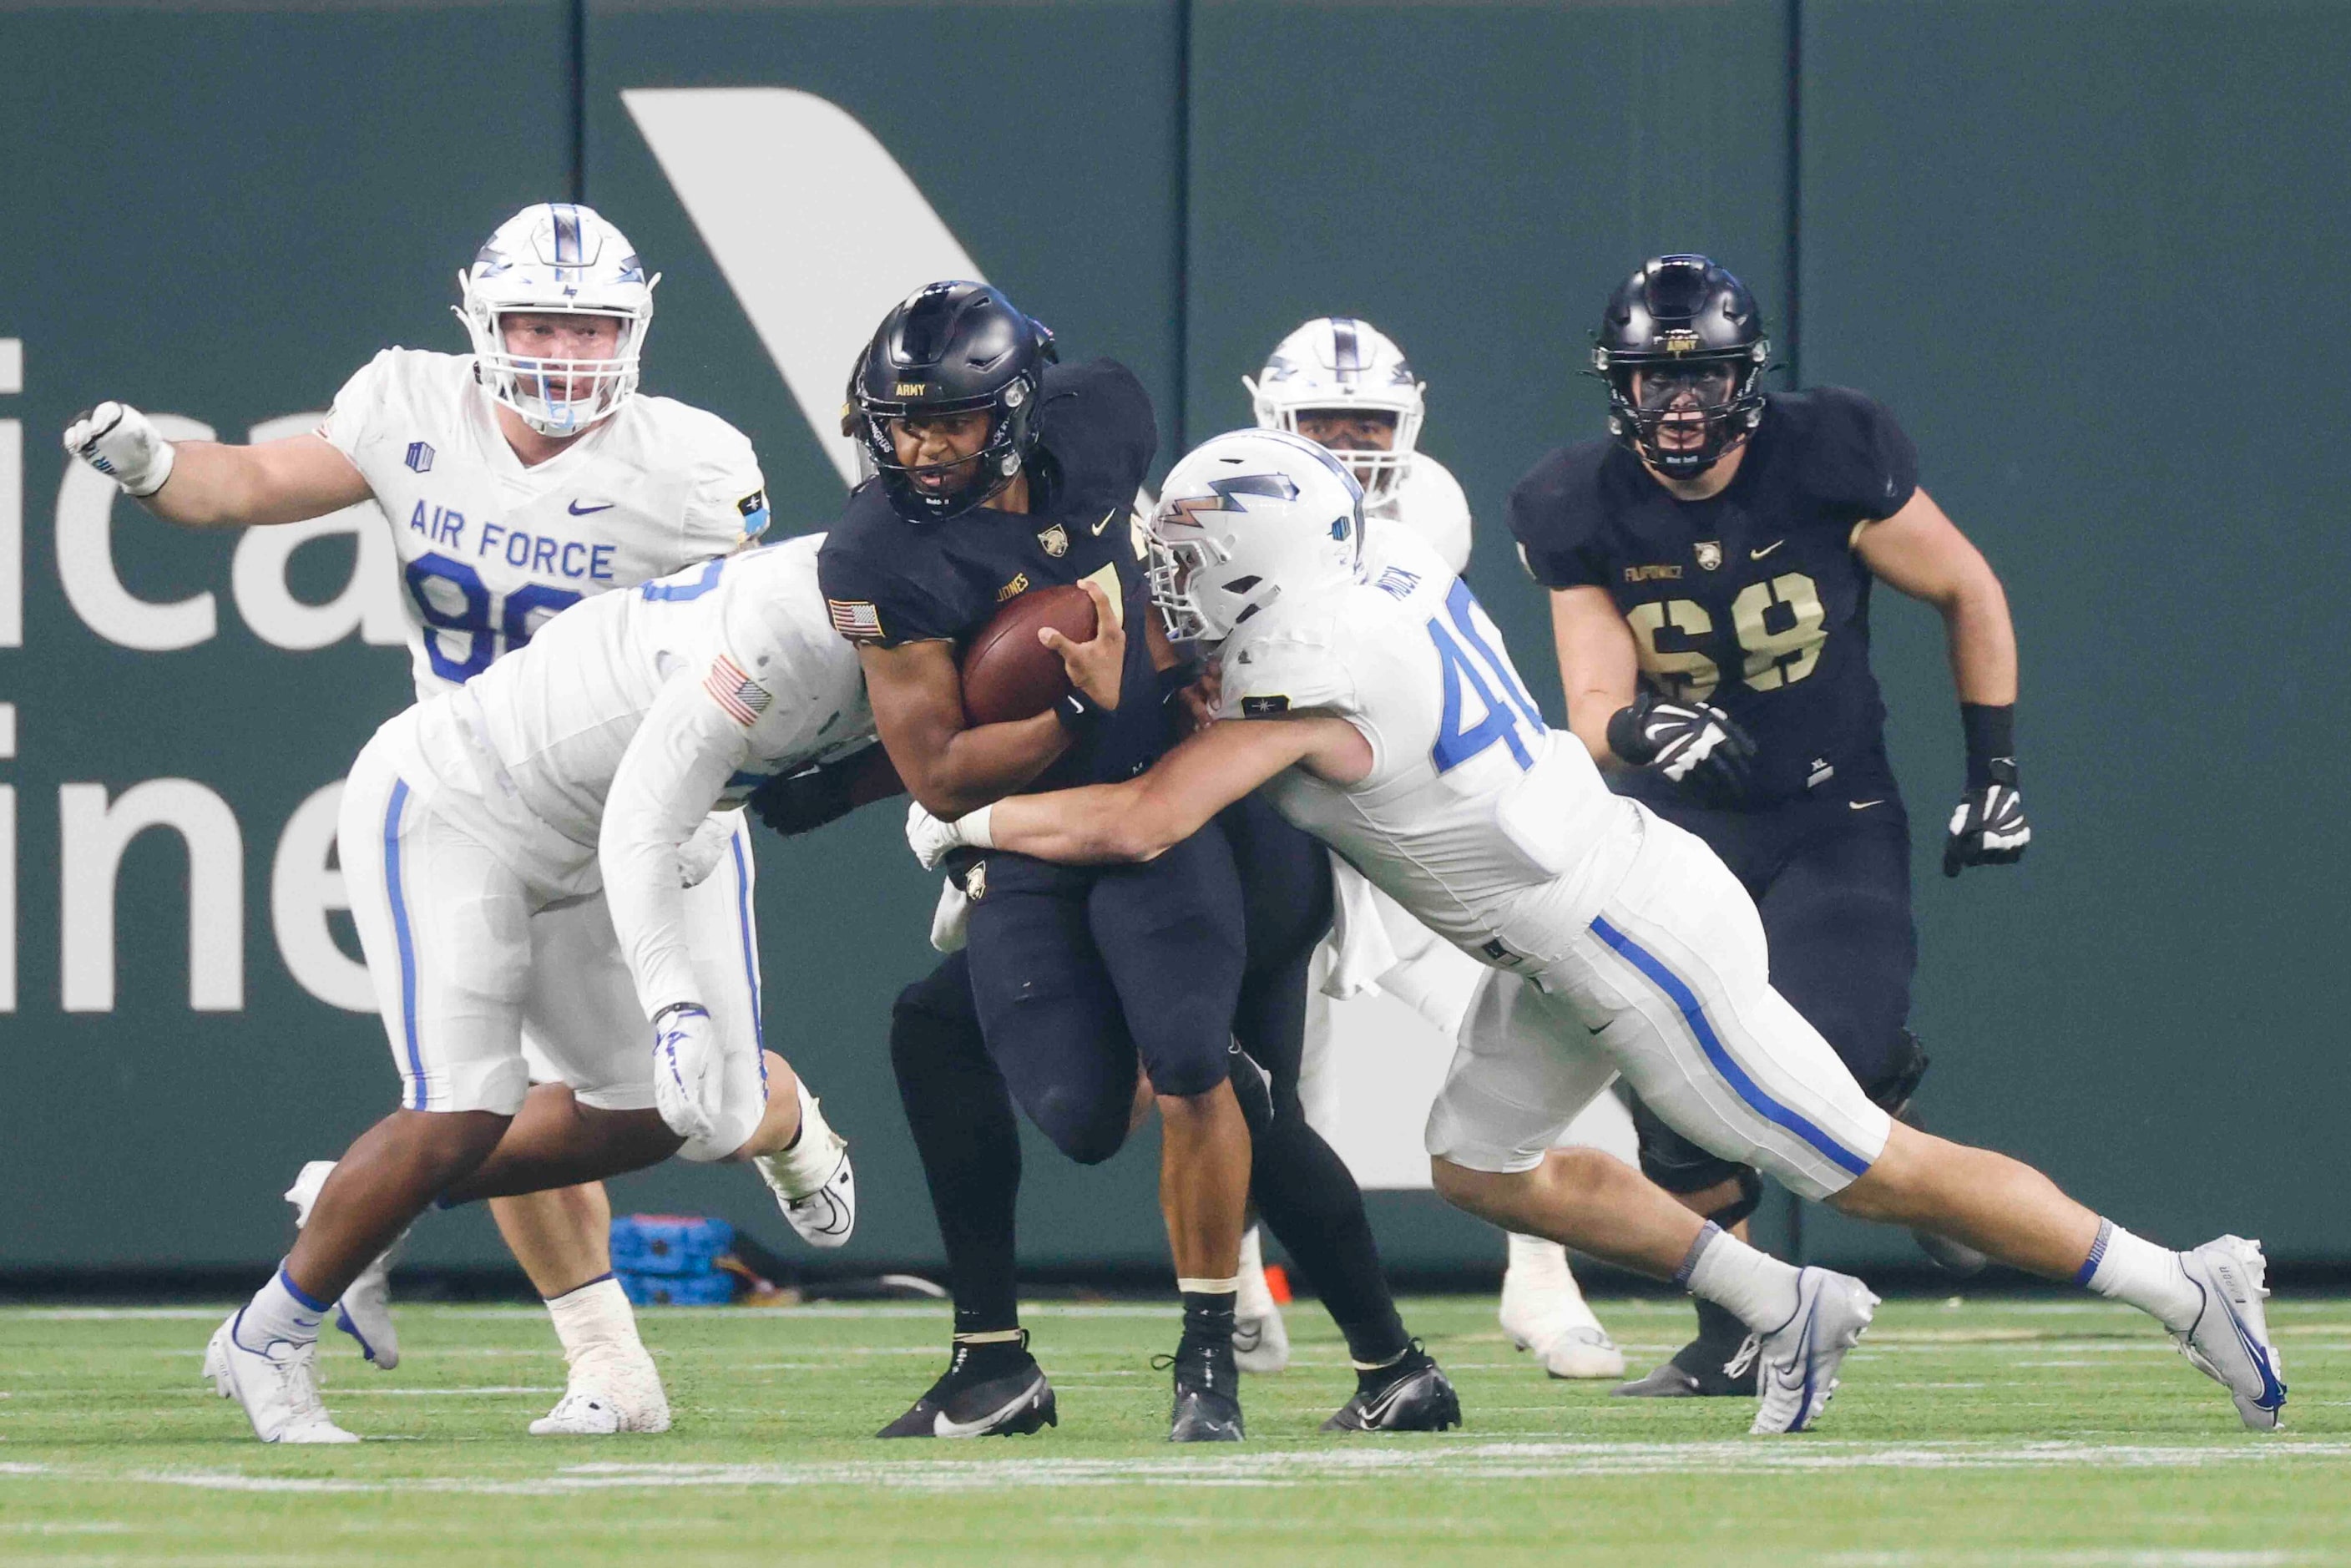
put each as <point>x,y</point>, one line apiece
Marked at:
<point>1800,1358</point>
<point>614,1388</point>
<point>1260,1339</point>
<point>364,1312</point>
<point>2230,1340</point>
<point>278,1387</point>
<point>812,1180</point>
<point>1542,1311</point>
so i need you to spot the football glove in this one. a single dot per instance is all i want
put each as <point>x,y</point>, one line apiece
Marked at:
<point>121,444</point>
<point>1988,826</point>
<point>1695,743</point>
<point>931,839</point>
<point>687,1081</point>
<point>951,921</point>
<point>803,801</point>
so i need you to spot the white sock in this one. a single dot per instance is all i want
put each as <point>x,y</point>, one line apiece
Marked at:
<point>1252,1253</point>
<point>2125,1267</point>
<point>595,1313</point>
<point>1544,1257</point>
<point>1754,1287</point>
<point>278,1313</point>
<point>802,1168</point>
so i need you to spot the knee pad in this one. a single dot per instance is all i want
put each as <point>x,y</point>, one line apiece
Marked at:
<point>1084,1129</point>
<point>1673,1162</point>
<point>1906,1067</point>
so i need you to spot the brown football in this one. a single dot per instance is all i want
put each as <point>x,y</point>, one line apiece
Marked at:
<point>1007,673</point>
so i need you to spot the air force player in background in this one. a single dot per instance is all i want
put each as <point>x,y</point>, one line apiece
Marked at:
<point>1343,384</point>
<point>1375,704</point>
<point>519,479</point>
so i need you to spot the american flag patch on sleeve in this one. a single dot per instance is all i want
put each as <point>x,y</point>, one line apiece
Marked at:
<point>743,698</point>
<point>855,617</point>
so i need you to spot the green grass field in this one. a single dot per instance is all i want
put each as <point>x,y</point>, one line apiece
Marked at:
<point>2028,1432</point>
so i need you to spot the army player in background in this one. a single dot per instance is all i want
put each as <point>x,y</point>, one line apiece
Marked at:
<point>1709,566</point>
<point>1342,383</point>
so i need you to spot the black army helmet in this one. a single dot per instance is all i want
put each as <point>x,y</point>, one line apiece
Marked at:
<point>1699,334</point>
<point>947,349</point>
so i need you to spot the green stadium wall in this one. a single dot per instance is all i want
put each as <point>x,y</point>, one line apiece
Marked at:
<point>2089,254</point>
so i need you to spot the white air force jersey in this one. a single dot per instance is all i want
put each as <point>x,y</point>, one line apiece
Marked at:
<point>490,550</point>
<point>524,756</point>
<point>1476,814</point>
<point>1430,503</point>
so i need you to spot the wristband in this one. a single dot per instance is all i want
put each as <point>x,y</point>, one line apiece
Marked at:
<point>1175,679</point>
<point>973,828</point>
<point>1624,736</point>
<point>1079,715</point>
<point>1991,739</point>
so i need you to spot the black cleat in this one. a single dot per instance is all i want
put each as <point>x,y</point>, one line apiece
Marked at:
<point>988,1391</point>
<point>1696,1371</point>
<point>1208,1407</point>
<point>1410,1394</point>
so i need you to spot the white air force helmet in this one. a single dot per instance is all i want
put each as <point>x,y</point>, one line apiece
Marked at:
<point>556,258</point>
<point>1244,520</point>
<point>1339,362</point>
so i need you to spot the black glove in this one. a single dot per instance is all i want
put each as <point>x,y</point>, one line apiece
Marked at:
<point>801,802</point>
<point>1695,745</point>
<point>1988,826</point>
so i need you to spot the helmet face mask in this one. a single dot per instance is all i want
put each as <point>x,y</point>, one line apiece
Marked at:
<point>1681,347</point>
<point>949,349</point>
<point>1340,368</point>
<point>553,261</point>
<point>1244,520</point>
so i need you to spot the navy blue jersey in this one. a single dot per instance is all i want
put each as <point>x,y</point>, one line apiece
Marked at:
<point>888,582</point>
<point>1752,599</point>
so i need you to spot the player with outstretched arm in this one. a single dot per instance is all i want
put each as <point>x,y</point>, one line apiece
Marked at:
<point>1375,704</point>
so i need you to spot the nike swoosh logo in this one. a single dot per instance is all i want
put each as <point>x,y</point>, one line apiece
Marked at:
<point>1767,549</point>
<point>579,511</point>
<point>1376,1410</point>
<point>1098,528</point>
<point>1864,805</point>
<point>941,1426</point>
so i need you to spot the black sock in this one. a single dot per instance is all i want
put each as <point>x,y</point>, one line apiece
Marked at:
<point>1207,1322</point>
<point>961,1117</point>
<point>1309,1201</point>
<point>1720,1334</point>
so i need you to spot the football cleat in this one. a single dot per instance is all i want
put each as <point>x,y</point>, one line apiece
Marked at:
<point>1542,1311</point>
<point>994,1390</point>
<point>365,1311</point>
<point>1409,1394</point>
<point>1208,1406</point>
<point>1260,1339</point>
<point>612,1388</point>
<point>1796,1363</point>
<point>1700,1369</point>
<point>276,1385</point>
<point>2230,1340</point>
<point>812,1180</point>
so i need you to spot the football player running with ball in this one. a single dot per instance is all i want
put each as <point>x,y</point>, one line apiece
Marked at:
<point>1710,565</point>
<point>518,480</point>
<point>1374,700</point>
<point>1343,384</point>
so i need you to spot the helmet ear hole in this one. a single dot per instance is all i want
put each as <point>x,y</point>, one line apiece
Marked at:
<point>1243,584</point>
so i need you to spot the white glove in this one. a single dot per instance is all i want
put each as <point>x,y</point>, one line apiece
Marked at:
<point>930,839</point>
<point>951,921</point>
<point>700,855</point>
<point>118,441</point>
<point>688,1082</point>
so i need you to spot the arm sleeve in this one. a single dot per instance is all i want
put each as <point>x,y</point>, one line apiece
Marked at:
<point>1554,533</point>
<point>727,505</point>
<point>672,775</point>
<point>346,424</point>
<point>1869,467</point>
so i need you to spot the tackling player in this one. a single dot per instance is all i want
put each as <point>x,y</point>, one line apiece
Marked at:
<point>574,782</point>
<point>516,480</point>
<point>1710,564</point>
<point>1341,382</point>
<point>1379,709</point>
